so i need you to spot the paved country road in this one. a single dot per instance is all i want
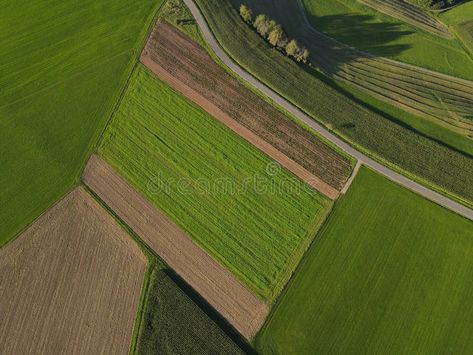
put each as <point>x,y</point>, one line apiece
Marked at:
<point>365,160</point>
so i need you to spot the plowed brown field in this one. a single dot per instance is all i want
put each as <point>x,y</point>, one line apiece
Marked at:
<point>70,283</point>
<point>212,281</point>
<point>187,67</point>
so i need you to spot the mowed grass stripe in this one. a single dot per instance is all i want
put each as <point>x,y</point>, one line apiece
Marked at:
<point>411,14</point>
<point>177,155</point>
<point>388,274</point>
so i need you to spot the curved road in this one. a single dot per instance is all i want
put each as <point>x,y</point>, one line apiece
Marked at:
<point>363,159</point>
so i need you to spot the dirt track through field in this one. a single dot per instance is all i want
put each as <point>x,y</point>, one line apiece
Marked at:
<point>212,281</point>
<point>70,284</point>
<point>188,68</point>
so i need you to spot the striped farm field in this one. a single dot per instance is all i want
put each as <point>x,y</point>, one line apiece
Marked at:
<point>410,14</point>
<point>253,217</point>
<point>178,60</point>
<point>390,273</point>
<point>445,100</point>
<point>62,67</point>
<point>315,94</point>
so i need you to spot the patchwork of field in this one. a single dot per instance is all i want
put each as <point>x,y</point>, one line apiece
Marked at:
<point>443,99</point>
<point>186,66</point>
<point>249,214</point>
<point>212,281</point>
<point>70,283</point>
<point>389,273</point>
<point>369,130</point>
<point>411,14</point>
<point>62,66</point>
<point>174,324</point>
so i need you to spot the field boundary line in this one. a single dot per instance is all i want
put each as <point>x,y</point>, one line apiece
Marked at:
<point>408,183</point>
<point>352,177</point>
<point>218,286</point>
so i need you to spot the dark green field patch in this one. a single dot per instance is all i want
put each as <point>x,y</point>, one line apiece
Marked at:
<point>173,324</point>
<point>390,273</point>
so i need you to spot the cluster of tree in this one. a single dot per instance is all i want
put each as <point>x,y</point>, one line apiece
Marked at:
<point>434,4</point>
<point>274,34</point>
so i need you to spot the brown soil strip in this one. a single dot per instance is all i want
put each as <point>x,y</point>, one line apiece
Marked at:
<point>188,68</point>
<point>242,131</point>
<point>70,283</point>
<point>212,281</point>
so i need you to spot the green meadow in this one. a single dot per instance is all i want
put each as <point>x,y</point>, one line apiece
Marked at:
<point>389,273</point>
<point>62,68</point>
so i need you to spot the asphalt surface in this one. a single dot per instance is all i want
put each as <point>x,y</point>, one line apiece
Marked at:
<point>363,159</point>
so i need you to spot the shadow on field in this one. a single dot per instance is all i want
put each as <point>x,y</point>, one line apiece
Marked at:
<point>331,39</point>
<point>211,312</point>
<point>362,32</point>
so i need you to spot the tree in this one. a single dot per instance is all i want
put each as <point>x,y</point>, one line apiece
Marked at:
<point>263,25</point>
<point>292,48</point>
<point>246,14</point>
<point>304,56</point>
<point>277,36</point>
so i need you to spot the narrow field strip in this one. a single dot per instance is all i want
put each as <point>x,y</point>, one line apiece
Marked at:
<point>70,283</point>
<point>183,63</point>
<point>410,14</point>
<point>447,100</point>
<point>212,281</point>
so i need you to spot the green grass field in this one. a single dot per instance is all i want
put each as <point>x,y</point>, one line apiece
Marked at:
<point>387,137</point>
<point>358,25</point>
<point>62,67</point>
<point>389,273</point>
<point>174,324</point>
<point>460,19</point>
<point>213,184</point>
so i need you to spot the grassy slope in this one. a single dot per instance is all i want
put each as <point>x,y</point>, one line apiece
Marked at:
<point>362,27</point>
<point>62,67</point>
<point>317,96</point>
<point>388,274</point>
<point>174,324</point>
<point>171,150</point>
<point>461,20</point>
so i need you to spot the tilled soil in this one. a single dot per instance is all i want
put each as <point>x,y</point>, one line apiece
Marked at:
<point>240,307</point>
<point>70,283</point>
<point>187,67</point>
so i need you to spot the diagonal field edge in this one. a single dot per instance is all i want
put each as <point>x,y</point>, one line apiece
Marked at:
<point>238,305</point>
